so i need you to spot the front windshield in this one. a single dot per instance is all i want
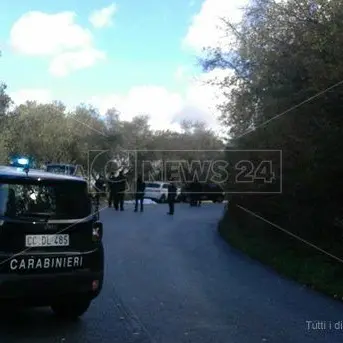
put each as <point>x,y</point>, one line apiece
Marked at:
<point>153,185</point>
<point>59,201</point>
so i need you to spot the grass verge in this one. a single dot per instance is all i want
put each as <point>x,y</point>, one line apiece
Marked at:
<point>284,254</point>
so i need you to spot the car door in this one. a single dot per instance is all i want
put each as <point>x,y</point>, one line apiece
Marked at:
<point>152,190</point>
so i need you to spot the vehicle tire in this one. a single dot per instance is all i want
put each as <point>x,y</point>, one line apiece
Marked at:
<point>71,309</point>
<point>162,199</point>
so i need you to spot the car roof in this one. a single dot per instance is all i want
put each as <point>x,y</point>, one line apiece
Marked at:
<point>60,164</point>
<point>7,172</point>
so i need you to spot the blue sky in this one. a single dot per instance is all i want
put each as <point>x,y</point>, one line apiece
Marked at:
<point>142,48</point>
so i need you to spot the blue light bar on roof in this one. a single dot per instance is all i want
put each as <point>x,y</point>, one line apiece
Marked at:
<point>23,161</point>
<point>20,162</point>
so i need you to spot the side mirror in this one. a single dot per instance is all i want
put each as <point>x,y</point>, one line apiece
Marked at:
<point>97,231</point>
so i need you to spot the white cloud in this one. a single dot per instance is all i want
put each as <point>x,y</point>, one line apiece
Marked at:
<point>155,101</point>
<point>62,64</point>
<point>181,73</point>
<point>56,36</point>
<point>33,94</point>
<point>207,28</point>
<point>168,109</point>
<point>38,33</point>
<point>202,99</point>
<point>103,17</point>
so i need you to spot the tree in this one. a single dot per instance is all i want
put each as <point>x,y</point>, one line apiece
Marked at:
<point>285,54</point>
<point>100,144</point>
<point>5,101</point>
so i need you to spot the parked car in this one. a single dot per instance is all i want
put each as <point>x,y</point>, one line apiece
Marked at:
<point>158,191</point>
<point>51,241</point>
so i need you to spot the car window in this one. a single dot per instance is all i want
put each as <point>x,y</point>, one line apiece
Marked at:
<point>61,169</point>
<point>165,185</point>
<point>59,201</point>
<point>153,185</point>
<point>77,172</point>
<point>56,169</point>
<point>213,185</point>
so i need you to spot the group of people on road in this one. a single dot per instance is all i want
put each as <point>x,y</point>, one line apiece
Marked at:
<point>116,186</point>
<point>140,191</point>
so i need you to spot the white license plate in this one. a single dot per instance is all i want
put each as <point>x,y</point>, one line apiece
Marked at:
<point>46,240</point>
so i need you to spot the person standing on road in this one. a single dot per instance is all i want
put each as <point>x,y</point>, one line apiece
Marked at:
<point>99,188</point>
<point>192,195</point>
<point>112,190</point>
<point>139,196</point>
<point>116,183</point>
<point>171,197</point>
<point>197,191</point>
<point>121,189</point>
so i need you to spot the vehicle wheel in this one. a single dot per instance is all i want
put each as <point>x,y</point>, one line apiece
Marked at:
<point>162,199</point>
<point>71,309</point>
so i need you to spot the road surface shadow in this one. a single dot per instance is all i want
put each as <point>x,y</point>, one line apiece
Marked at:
<point>39,325</point>
<point>35,323</point>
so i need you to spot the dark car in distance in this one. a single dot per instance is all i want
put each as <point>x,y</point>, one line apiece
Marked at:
<point>51,251</point>
<point>209,191</point>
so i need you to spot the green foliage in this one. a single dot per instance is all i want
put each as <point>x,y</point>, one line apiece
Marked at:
<point>283,253</point>
<point>50,133</point>
<point>5,101</point>
<point>286,94</point>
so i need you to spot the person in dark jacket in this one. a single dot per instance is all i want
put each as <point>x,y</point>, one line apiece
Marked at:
<point>112,190</point>
<point>171,197</point>
<point>197,192</point>
<point>139,196</point>
<point>99,188</point>
<point>192,194</point>
<point>121,190</point>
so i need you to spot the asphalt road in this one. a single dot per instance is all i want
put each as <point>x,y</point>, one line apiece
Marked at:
<point>173,280</point>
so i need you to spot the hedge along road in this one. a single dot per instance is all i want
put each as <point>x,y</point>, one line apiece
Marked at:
<point>173,279</point>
